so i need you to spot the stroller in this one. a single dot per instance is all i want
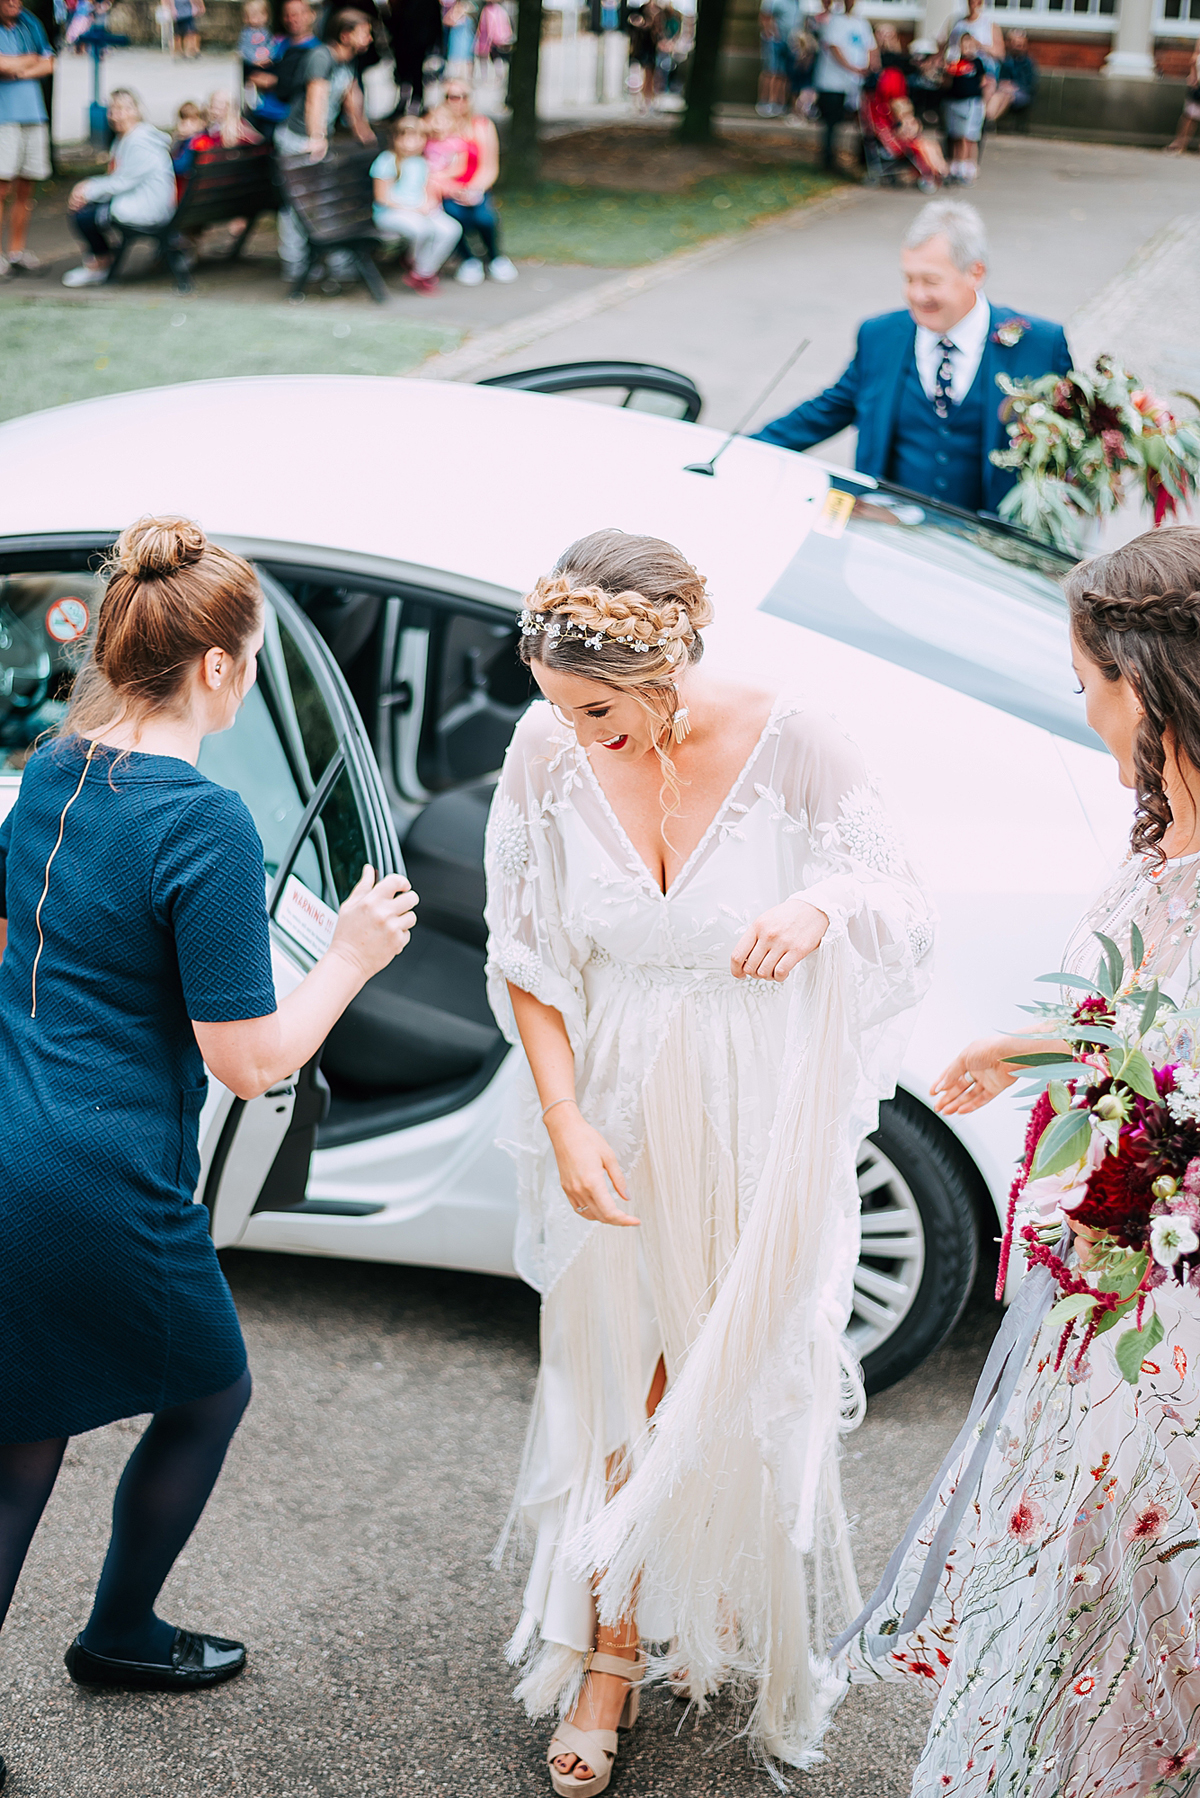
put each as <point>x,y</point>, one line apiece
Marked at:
<point>891,137</point>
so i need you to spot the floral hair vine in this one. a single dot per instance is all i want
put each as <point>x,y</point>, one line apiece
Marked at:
<point>553,626</point>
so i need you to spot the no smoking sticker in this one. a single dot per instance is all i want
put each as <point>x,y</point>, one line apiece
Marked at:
<point>67,620</point>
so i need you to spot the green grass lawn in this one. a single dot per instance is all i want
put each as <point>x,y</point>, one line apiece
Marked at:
<point>609,229</point>
<point>59,350</point>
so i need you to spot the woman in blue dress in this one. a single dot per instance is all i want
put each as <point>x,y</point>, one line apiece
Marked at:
<point>137,951</point>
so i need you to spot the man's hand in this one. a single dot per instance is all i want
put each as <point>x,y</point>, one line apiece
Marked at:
<point>779,940</point>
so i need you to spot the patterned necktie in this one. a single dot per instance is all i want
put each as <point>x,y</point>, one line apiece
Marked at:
<point>944,378</point>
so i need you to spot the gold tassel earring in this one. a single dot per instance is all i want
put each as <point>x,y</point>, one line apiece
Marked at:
<point>680,723</point>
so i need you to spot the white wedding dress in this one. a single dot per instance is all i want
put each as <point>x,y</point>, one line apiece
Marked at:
<point>1049,1585</point>
<point>735,1108</point>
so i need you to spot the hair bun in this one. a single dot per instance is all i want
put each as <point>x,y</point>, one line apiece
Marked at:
<point>157,546</point>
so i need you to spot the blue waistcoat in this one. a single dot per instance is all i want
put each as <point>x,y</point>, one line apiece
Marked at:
<point>938,456</point>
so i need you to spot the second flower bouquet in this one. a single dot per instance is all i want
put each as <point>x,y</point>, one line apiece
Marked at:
<point>1113,1145</point>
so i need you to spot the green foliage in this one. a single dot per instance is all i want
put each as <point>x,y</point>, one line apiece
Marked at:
<point>1135,1345</point>
<point>61,350</point>
<point>1079,442</point>
<point>605,228</point>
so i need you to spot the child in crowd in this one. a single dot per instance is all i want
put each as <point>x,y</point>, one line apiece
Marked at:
<point>493,34</point>
<point>967,86</point>
<point>256,42</point>
<point>190,124</point>
<point>408,203</point>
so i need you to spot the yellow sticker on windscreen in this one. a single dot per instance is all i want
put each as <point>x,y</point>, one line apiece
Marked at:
<point>835,512</point>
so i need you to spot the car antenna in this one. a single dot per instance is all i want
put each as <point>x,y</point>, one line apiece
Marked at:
<point>710,467</point>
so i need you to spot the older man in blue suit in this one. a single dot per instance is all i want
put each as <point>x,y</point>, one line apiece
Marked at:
<point>922,386</point>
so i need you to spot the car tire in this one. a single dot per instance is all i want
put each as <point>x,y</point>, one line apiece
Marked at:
<point>920,1241</point>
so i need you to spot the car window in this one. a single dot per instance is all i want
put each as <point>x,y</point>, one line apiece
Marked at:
<point>267,757</point>
<point>967,604</point>
<point>44,620</point>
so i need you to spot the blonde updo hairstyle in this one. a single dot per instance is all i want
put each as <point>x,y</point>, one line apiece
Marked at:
<point>171,597</point>
<point>642,606</point>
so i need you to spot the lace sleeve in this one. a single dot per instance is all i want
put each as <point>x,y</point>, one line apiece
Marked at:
<point>527,942</point>
<point>857,872</point>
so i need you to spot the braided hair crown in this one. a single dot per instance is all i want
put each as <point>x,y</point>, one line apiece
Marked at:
<point>1135,612</point>
<point>616,591</point>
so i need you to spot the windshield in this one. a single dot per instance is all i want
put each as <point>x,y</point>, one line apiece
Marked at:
<point>949,596</point>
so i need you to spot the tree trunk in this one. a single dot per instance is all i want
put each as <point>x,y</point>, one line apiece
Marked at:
<point>696,126</point>
<point>522,163</point>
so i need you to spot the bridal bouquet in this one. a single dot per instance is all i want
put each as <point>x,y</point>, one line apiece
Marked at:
<point>1081,441</point>
<point>1113,1143</point>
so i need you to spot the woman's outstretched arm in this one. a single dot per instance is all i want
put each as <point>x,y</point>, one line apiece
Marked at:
<point>586,1164</point>
<point>984,1070</point>
<point>253,1054</point>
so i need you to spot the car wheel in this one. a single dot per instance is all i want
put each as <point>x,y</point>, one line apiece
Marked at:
<point>920,1242</point>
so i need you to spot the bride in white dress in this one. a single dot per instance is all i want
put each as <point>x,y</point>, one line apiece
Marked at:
<point>1049,1586</point>
<point>707,940</point>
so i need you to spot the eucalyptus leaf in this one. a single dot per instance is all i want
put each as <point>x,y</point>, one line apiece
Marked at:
<point>1135,1345</point>
<point>1116,961</point>
<point>1137,948</point>
<point>1149,1010</point>
<point>1104,980</point>
<point>1093,1033</point>
<point>1076,980</point>
<point>1062,1142</point>
<point>1044,1058</point>
<point>1060,1096</point>
<point>1136,1073</point>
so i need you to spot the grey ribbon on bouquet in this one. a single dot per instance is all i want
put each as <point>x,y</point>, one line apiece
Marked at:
<point>997,1383</point>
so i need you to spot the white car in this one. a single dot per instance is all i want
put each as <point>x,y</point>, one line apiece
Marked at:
<point>395,524</point>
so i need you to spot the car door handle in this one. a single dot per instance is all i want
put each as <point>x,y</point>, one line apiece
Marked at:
<point>400,699</point>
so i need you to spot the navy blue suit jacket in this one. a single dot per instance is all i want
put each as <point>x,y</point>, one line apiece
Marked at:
<point>868,394</point>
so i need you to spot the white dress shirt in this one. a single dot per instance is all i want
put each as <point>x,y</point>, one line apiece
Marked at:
<point>968,336</point>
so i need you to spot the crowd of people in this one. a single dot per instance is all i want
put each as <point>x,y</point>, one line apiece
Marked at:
<point>431,181</point>
<point>921,109</point>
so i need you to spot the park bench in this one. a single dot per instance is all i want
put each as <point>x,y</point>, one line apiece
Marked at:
<point>223,185</point>
<point>332,199</point>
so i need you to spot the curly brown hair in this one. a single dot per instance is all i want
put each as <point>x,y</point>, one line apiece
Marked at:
<point>1136,613</point>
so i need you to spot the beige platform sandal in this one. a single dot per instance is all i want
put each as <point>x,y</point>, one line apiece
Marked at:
<point>596,1748</point>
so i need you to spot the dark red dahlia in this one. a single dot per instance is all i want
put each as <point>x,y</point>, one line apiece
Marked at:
<point>1118,1197</point>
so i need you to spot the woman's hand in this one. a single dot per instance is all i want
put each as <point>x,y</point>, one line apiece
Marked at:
<point>779,940</point>
<point>979,1074</point>
<point>76,199</point>
<point>1085,1238</point>
<point>375,922</point>
<point>586,1165</point>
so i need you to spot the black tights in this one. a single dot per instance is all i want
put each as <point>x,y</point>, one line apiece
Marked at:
<point>163,1490</point>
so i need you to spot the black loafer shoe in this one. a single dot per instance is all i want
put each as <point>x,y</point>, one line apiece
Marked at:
<point>196,1661</point>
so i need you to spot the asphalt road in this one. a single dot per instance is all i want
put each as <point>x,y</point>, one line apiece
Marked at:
<point>348,1545</point>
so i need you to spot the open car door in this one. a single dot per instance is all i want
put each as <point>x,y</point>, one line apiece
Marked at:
<point>299,757</point>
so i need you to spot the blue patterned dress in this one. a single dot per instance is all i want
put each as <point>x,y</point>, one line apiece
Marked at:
<point>148,914</point>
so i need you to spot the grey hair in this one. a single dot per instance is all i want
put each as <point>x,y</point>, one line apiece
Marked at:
<point>958,223</point>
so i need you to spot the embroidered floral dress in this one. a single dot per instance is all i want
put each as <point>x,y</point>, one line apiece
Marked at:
<point>734,1108</point>
<point>1063,1631</point>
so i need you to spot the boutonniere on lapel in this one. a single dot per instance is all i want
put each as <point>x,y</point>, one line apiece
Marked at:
<point>1010,332</point>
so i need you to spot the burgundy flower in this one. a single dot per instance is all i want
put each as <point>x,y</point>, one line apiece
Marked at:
<point>1118,1197</point>
<point>1175,1763</point>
